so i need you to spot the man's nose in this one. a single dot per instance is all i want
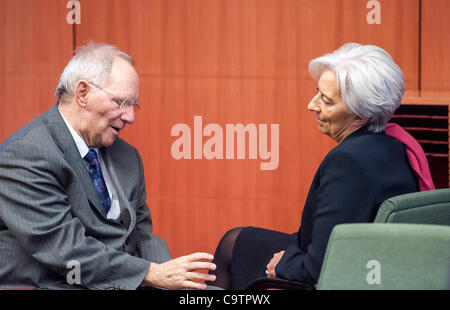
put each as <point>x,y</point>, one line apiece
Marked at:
<point>128,116</point>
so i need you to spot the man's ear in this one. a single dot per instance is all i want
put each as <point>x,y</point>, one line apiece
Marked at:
<point>81,93</point>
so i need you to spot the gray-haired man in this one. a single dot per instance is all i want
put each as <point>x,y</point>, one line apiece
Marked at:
<point>72,191</point>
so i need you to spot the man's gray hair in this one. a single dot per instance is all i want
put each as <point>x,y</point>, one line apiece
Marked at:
<point>370,82</point>
<point>92,63</point>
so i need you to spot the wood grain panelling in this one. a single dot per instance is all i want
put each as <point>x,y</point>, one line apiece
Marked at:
<point>235,61</point>
<point>325,25</point>
<point>247,38</point>
<point>435,51</point>
<point>235,186</point>
<point>229,61</point>
<point>36,45</point>
<point>435,70</point>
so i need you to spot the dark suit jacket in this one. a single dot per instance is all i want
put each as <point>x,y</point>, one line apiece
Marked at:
<point>50,213</point>
<point>351,183</point>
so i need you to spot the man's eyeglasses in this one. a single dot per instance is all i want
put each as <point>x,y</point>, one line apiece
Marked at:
<point>123,104</point>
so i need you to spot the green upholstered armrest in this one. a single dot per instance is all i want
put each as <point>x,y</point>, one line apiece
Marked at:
<point>387,256</point>
<point>428,207</point>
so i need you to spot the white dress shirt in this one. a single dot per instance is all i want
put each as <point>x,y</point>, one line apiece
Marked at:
<point>114,211</point>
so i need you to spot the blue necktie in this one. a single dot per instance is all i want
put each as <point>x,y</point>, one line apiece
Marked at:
<point>97,178</point>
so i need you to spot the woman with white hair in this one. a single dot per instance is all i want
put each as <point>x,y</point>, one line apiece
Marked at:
<point>358,89</point>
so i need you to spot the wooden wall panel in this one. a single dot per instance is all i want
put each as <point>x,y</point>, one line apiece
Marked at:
<point>325,25</point>
<point>435,61</point>
<point>36,45</point>
<point>235,61</point>
<point>230,61</point>
<point>435,71</point>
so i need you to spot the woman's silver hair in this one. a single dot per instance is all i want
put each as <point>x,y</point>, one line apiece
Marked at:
<point>370,82</point>
<point>92,63</point>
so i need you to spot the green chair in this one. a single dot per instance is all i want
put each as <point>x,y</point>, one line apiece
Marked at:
<point>429,207</point>
<point>387,257</point>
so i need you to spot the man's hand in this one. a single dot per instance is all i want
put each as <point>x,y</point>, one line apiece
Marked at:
<point>273,263</point>
<point>180,273</point>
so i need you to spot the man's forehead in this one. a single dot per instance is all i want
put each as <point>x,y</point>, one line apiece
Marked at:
<point>123,77</point>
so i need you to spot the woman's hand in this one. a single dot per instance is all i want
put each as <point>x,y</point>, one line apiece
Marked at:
<point>180,273</point>
<point>273,263</point>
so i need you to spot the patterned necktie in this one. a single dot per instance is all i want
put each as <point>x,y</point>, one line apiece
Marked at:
<point>97,178</point>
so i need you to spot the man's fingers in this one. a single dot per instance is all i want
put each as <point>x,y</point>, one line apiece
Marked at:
<point>200,276</point>
<point>181,272</point>
<point>199,256</point>
<point>191,277</point>
<point>201,265</point>
<point>194,285</point>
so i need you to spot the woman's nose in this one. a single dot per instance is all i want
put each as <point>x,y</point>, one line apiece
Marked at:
<point>312,105</point>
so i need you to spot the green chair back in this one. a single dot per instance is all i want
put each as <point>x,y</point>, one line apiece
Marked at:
<point>387,257</point>
<point>429,207</point>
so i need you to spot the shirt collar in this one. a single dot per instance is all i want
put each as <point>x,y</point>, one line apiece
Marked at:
<point>81,145</point>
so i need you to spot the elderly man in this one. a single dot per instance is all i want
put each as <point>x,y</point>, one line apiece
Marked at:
<point>72,194</point>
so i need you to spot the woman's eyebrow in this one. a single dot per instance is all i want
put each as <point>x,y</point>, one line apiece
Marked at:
<point>323,94</point>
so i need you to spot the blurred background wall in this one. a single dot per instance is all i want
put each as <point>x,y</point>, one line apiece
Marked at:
<point>229,61</point>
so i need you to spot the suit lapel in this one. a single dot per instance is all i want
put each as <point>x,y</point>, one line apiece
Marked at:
<point>126,213</point>
<point>66,144</point>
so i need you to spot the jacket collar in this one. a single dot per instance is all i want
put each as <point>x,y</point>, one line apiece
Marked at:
<point>64,140</point>
<point>360,132</point>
